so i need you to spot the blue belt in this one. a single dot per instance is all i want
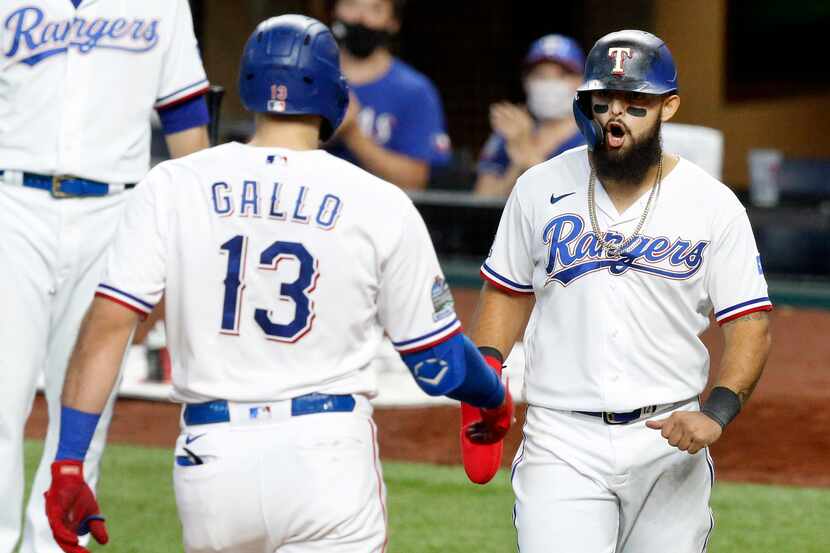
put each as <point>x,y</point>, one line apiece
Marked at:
<point>620,418</point>
<point>217,411</point>
<point>67,186</point>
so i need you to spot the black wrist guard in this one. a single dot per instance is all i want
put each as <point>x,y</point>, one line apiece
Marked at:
<point>722,405</point>
<point>492,352</point>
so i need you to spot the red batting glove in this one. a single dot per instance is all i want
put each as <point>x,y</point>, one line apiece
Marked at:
<point>483,432</point>
<point>71,507</point>
<point>493,424</point>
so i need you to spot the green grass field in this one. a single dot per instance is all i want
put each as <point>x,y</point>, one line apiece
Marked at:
<point>435,509</point>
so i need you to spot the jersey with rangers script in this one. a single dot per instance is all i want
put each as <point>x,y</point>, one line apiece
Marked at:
<point>622,333</point>
<point>282,270</point>
<point>77,86</point>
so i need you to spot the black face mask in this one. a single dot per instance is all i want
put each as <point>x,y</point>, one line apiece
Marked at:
<point>632,166</point>
<point>359,39</point>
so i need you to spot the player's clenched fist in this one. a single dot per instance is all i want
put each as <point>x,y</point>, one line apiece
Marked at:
<point>688,431</point>
<point>71,507</point>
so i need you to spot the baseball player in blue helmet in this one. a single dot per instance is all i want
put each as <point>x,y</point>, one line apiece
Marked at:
<point>526,135</point>
<point>283,267</point>
<point>620,254</point>
<point>311,73</point>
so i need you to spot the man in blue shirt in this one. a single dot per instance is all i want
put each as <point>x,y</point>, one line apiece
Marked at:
<point>395,125</point>
<point>523,137</point>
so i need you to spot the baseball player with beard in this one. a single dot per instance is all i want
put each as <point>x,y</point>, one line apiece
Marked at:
<point>283,266</point>
<point>79,80</point>
<point>622,252</point>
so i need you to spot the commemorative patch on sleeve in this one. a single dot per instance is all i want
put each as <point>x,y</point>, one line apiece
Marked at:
<point>442,303</point>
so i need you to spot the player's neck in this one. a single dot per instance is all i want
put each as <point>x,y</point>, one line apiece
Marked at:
<point>624,193</point>
<point>297,132</point>
<point>366,70</point>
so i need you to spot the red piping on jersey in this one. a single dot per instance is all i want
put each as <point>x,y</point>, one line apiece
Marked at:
<point>501,286</point>
<point>124,304</point>
<point>184,99</point>
<point>373,430</point>
<point>767,307</point>
<point>433,343</point>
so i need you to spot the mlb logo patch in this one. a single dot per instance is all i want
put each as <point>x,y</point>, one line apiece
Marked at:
<point>760,267</point>
<point>260,412</point>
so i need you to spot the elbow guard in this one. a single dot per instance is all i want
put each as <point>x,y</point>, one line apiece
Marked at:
<point>456,369</point>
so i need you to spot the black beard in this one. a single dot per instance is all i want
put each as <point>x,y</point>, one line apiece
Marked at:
<point>631,167</point>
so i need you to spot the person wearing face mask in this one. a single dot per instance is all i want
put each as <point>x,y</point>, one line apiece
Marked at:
<point>523,137</point>
<point>395,124</point>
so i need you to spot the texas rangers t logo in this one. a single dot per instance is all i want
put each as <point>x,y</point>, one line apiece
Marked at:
<point>619,54</point>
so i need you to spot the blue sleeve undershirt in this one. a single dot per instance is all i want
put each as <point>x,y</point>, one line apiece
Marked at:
<point>186,115</point>
<point>455,368</point>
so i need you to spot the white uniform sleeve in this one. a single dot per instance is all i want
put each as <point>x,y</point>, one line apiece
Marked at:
<point>735,277</point>
<point>182,73</point>
<point>509,265</point>
<point>134,270</point>
<point>415,305</point>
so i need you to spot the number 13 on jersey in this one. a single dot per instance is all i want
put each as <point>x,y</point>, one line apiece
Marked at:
<point>296,292</point>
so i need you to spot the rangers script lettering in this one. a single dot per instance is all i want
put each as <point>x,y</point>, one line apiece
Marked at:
<point>35,39</point>
<point>568,247</point>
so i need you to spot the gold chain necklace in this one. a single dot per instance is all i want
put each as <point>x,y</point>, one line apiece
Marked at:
<point>605,246</point>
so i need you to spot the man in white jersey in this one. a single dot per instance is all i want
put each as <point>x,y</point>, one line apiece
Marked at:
<point>282,266</point>
<point>79,80</point>
<point>622,251</point>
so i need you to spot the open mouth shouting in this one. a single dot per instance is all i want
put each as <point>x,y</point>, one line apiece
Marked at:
<point>615,135</point>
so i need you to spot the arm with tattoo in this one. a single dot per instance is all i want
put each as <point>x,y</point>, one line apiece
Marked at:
<point>748,342</point>
<point>747,346</point>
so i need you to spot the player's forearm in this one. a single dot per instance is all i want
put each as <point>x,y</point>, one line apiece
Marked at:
<point>500,318</point>
<point>747,345</point>
<point>93,367</point>
<point>398,169</point>
<point>187,141</point>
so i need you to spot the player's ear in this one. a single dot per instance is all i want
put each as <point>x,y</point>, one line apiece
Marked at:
<point>671,104</point>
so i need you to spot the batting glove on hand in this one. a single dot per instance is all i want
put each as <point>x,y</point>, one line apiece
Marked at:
<point>493,424</point>
<point>71,507</point>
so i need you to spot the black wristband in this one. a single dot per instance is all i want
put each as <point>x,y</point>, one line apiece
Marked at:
<point>722,405</point>
<point>492,352</point>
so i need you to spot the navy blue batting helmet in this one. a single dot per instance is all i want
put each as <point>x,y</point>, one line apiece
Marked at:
<point>291,66</point>
<point>629,61</point>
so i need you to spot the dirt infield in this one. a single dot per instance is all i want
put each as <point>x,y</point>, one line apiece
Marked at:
<point>782,437</point>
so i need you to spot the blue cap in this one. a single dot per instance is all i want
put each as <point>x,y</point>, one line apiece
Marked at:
<point>556,48</point>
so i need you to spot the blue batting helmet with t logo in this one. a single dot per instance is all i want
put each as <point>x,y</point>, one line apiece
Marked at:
<point>629,61</point>
<point>291,66</point>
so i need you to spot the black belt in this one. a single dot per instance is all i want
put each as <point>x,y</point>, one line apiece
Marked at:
<point>66,186</point>
<point>621,418</point>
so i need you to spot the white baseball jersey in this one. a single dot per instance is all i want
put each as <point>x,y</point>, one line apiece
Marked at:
<point>136,54</point>
<point>619,334</point>
<point>282,270</point>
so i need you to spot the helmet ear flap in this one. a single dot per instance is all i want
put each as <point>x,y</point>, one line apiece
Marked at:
<point>590,129</point>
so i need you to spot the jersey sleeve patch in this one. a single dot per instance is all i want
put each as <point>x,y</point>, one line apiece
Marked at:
<point>183,94</point>
<point>430,339</point>
<point>743,308</point>
<point>123,298</point>
<point>503,282</point>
